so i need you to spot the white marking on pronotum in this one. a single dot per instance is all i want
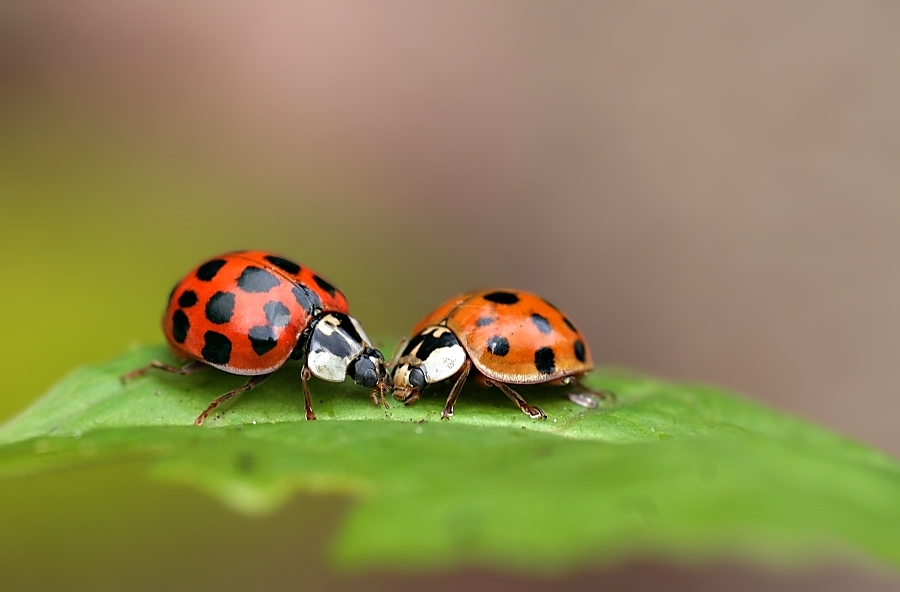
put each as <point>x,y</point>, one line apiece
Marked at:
<point>443,363</point>
<point>414,352</point>
<point>436,331</point>
<point>328,325</point>
<point>327,366</point>
<point>324,363</point>
<point>401,376</point>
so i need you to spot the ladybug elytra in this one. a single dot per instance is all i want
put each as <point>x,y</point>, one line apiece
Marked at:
<point>248,312</point>
<point>509,336</point>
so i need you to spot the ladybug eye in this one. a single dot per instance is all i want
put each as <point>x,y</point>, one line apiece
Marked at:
<point>416,378</point>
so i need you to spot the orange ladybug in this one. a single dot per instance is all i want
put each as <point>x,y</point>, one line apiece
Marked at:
<point>509,336</point>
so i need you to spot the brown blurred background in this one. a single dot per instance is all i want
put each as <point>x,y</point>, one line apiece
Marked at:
<point>709,189</point>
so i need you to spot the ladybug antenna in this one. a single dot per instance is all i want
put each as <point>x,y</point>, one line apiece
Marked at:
<point>398,349</point>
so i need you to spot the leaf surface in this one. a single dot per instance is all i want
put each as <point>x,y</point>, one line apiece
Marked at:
<point>681,471</point>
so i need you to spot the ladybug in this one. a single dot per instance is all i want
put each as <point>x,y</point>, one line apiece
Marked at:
<point>509,336</point>
<point>249,312</point>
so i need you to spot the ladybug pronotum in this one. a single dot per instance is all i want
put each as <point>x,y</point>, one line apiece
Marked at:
<point>249,312</point>
<point>507,337</point>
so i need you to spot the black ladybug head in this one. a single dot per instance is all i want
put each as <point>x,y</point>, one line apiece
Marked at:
<point>368,370</point>
<point>416,378</point>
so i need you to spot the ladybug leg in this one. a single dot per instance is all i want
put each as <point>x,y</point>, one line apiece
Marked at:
<point>377,395</point>
<point>581,389</point>
<point>188,368</point>
<point>250,384</point>
<point>447,413</point>
<point>532,412</point>
<point>304,377</point>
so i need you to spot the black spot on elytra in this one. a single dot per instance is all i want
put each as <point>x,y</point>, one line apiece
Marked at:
<point>325,285</point>
<point>262,339</point>
<point>502,297</point>
<point>216,348</point>
<point>180,326</point>
<point>484,321</point>
<point>579,350</point>
<point>283,264</point>
<point>308,299</point>
<point>220,308</point>
<point>542,324</point>
<point>187,299</point>
<point>256,279</point>
<point>570,325</point>
<point>277,314</point>
<point>497,345</point>
<point>208,270</point>
<point>545,360</point>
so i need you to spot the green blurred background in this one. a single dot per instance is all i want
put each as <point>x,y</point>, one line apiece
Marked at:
<point>710,191</point>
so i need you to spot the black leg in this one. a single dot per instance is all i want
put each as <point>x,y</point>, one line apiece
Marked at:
<point>250,384</point>
<point>447,413</point>
<point>532,412</point>
<point>304,376</point>
<point>188,368</point>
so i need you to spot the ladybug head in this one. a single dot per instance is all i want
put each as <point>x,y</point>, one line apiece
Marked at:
<point>369,370</point>
<point>408,382</point>
<point>337,347</point>
<point>431,356</point>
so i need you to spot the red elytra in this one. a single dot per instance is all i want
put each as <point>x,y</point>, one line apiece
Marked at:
<point>249,312</point>
<point>243,312</point>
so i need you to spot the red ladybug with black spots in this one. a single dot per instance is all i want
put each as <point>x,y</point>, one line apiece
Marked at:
<point>510,337</point>
<point>248,312</point>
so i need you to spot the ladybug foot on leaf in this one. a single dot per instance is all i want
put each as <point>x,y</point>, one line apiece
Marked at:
<point>529,410</point>
<point>307,398</point>
<point>587,397</point>
<point>534,412</point>
<point>188,368</point>
<point>378,398</point>
<point>249,385</point>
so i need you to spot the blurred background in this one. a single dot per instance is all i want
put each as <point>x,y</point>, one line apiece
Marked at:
<point>708,189</point>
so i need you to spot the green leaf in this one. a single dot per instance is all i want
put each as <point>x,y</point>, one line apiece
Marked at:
<point>680,471</point>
